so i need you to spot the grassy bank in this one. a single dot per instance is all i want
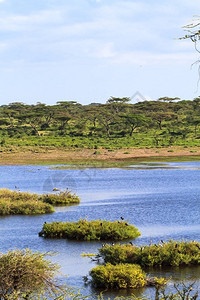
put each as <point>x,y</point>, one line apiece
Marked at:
<point>87,157</point>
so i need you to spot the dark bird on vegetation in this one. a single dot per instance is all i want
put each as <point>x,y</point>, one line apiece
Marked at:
<point>141,249</point>
<point>162,241</point>
<point>126,224</point>
<point>79,226</point>
<point>131,243</point>
<point>101,224</point>
<point>179,251</point>
<point>176,246</point>
<point>45,222</point>
<point>122,218</point>
<point>198,246</point>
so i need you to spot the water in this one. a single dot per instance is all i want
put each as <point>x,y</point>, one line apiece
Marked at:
<point>162,201</point>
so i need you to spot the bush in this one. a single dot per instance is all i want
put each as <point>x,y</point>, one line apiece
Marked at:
<point>23,273</point>
<point>13,202</point>
<point>121,276</point>
<point>63,198</point>
<point>163,254</point>
<point>90,230</point>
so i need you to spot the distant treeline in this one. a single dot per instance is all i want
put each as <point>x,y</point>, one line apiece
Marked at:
<point>165,122</point>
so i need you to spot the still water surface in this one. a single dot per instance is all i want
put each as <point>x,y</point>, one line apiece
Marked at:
<point>162,201</point>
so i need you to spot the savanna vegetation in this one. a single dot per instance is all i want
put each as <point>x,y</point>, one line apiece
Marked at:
<point>114,125</point>
<point>22,203</point>
<point>90,230</point>
<point>172,253</point>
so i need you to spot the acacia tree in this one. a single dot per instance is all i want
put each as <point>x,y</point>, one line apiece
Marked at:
<point>133,121</point>
<point>193,33</point>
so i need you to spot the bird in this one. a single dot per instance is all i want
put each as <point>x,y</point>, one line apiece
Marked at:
<point>162,241</point>
<point>126,224</point>
<point>131,243</point>
<point>122,218</point>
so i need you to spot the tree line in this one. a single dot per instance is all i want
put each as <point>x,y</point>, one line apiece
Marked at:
<point>171,118</point>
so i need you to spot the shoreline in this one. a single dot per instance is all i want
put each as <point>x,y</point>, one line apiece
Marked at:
<point>100,157</point>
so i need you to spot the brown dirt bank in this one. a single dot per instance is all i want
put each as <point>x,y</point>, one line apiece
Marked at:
<point>60,156</point>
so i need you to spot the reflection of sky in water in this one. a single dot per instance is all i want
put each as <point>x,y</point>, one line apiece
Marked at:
<point>164,203</point>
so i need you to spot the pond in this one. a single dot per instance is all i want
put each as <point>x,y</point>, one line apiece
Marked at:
<point>161,200</point>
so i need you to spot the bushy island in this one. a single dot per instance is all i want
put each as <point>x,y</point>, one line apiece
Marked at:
<point>172,253</point>
<point>90,230</point>
<point>122,276</point>
<point>22,203</point>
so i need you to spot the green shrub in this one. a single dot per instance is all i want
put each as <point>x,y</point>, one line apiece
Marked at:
<point>63,198</point>
<point>171,253</point>
<point>13,202</point>
<point>121,276</point>
<point>90,230</point>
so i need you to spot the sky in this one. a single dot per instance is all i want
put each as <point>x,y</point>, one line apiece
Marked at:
<point>90,50</point>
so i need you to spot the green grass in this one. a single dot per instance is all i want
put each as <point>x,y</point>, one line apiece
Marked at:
<point>171,253</point>
<point>90,230</point>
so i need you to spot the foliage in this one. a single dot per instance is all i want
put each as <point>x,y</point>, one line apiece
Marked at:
<point>69,125</point>
<point>63,198</point>
<point>13,202</point>
<point>121,276</point>
<point>171,253</point>
<point>183,292</point>
<point>24,273</point>
<point>90,230</point>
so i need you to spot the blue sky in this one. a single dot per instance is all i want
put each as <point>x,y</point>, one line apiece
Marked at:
<point>89,50</point>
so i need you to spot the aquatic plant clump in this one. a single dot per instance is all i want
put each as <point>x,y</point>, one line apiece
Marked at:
<point>21,203</point>
<point>122,276</point>
<point>90,230</point>
<point>63,198</point>
<point>170,253</point>
<point>14,202</point>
